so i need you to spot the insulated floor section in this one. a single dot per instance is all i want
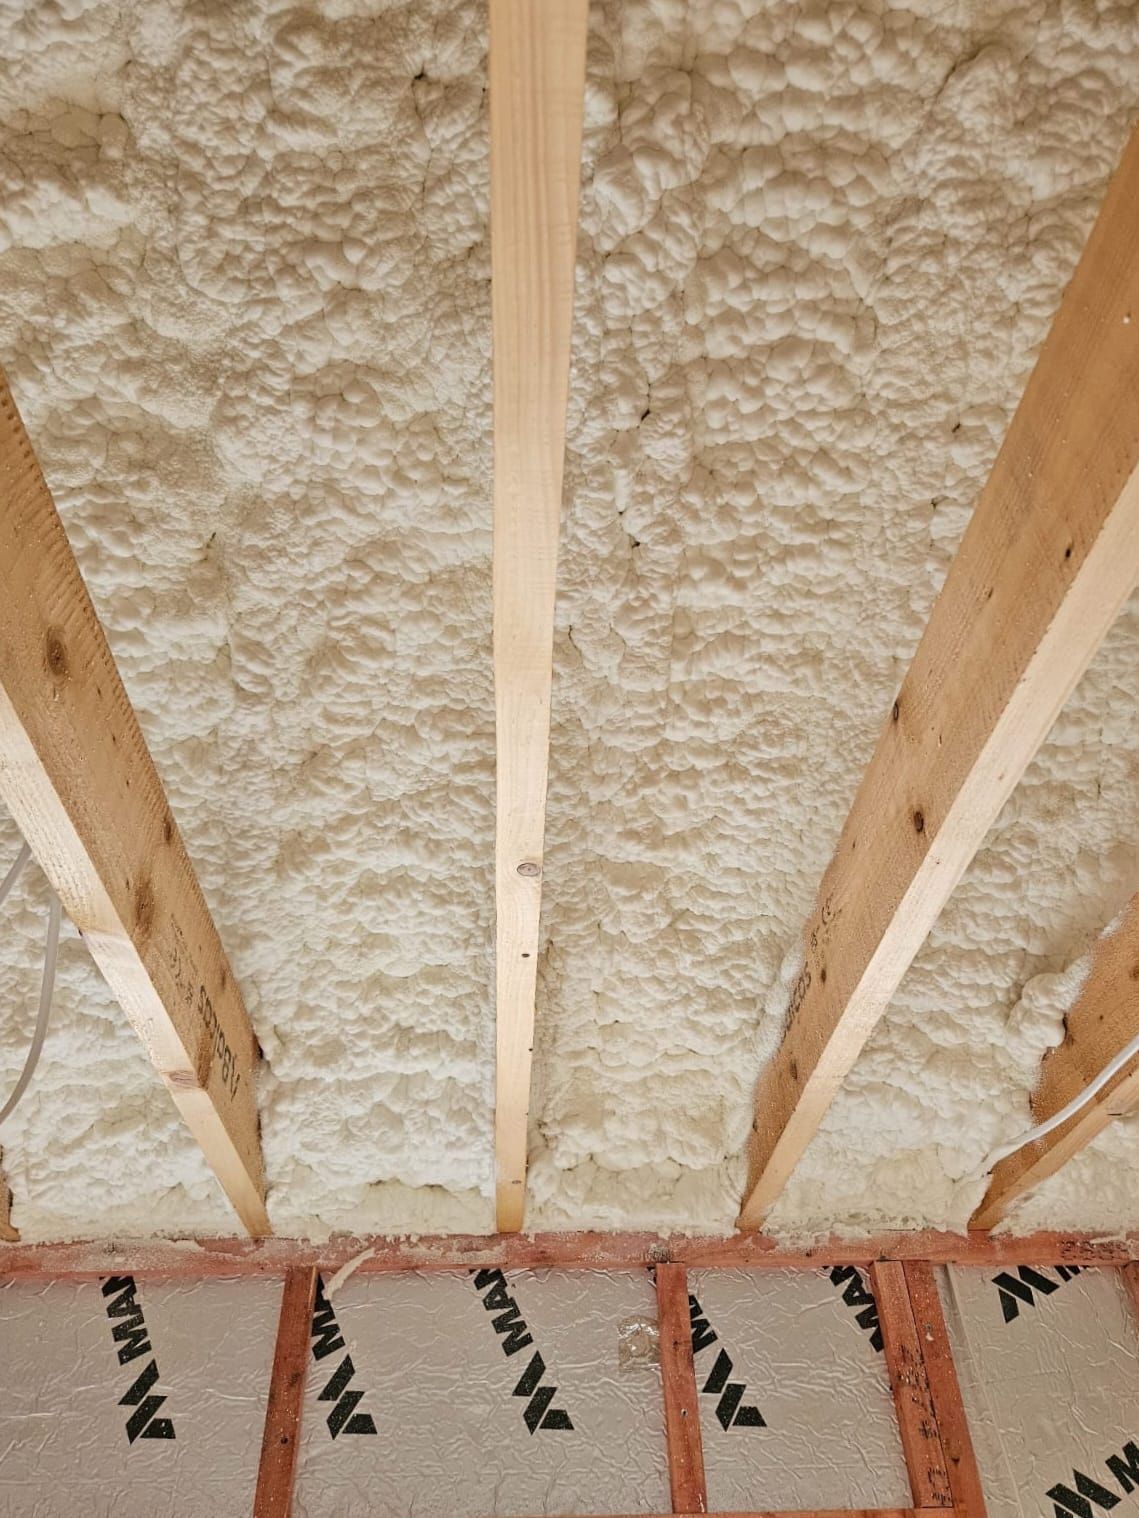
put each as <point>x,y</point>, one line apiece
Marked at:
<point>795,1406</point>
<point>133,1400</point>
<point>1048,1360</point>
<point>454,1395</point>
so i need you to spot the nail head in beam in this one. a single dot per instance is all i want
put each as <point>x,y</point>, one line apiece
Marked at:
<point>945,1390</point>
<point>687,1484</point>
<point>277,1471</point>
<point>1102,1021</point>
<point>909,1383</point>
<point>1049,557</point>
<point>79,781</point>
<point>537,92</point>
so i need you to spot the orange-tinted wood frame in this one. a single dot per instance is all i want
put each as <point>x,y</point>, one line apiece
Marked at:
<point>278,1467</point>
<point>678,1382</point>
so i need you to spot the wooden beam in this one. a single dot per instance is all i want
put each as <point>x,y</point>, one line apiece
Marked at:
<point>8,1235</point>
<point>945,1390</point>
<point>279,1445</point>
<point>204,1258</point>
<point>537,92</point>
<point>1049,557</point>
<point>687,1485</point>
<point>824,1512</point>
<point>1130,1274</point>
<point>1103,1020</point>
<point>909,1382</point>
<point>79,781</point>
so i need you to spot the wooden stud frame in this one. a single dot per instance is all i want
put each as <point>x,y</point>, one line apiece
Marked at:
<point>1050,555</point>
<point>1098,1027</point>
<point>79,781</point>
<point>203,1258</point>
<point>935,1437</point>
<point>277,1471</point>
<point>536,77</point>
<point>687,1484</point>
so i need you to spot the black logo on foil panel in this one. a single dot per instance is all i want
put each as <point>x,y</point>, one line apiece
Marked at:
<point>511,1328</point>
<point>128,1329</point>
<point>1022,1288</point>
<point>327,1340</point>
<point>731,1409</point>
<point>1085,1493</point>
<point>856,1293</point>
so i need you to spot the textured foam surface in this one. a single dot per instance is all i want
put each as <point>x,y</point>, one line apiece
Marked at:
<point>244,305</point>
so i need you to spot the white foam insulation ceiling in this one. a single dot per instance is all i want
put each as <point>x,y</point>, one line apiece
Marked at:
<point>245,310</point>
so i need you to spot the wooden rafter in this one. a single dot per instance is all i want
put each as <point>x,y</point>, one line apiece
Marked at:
<point>687,1485</point>
<point>280,1442</point>
<point>909,1381</point>
<point>1049,557</point>
<point>945,1391</point>
<point>1130,1274</point>
<point>537,89</point>
<point>8,1235</point>
<point>79,781</point>
<point>1102,1022</point>
<point>147,1258</point>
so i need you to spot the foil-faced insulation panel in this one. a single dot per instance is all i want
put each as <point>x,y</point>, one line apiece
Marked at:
<point>476,1393</point>
<point>795,1404</point>
<point>1048,1360</point>
<point>133,1399</point>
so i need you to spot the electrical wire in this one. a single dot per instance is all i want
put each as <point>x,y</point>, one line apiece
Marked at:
<point>47,985</point>
<point>14,873</point>
<point>1111,1069</point>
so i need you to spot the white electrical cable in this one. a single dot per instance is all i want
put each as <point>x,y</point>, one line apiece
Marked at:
<point>1112,1068</point>
<point>14,873</point>
<point>47,985</point>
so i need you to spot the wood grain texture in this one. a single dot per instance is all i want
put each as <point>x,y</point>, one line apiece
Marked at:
<point>79,781</point>
<point>824,1512</point>
<point>537,91</point>
<point>1101,1023</point>
<point>945,1390</point>
<point>277,1470</point>
<point>909,1382</point>
<point>1130,1276</point>
<point>687,1485</point>
<point>8,1234</point>
<point>1049,557</point>
<point>204,1258</point>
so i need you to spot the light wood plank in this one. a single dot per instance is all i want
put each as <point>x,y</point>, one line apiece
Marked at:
<point>279,1445</point>
<point>376,1254</point>
<point>945,1390</point>
<point>537,89</point>
<point>79,781</point>
<point>1103,1020</point>
<point>909,1382</point>
<point>687,1486</point>
<point>1049,557</point>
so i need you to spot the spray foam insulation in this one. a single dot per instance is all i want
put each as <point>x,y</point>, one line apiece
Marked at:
<point>1048,1361</point>
<point>244,304</point>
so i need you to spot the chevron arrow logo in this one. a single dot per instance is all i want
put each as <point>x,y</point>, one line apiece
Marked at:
<point>326,1340</point>
<point>731,1410</point>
